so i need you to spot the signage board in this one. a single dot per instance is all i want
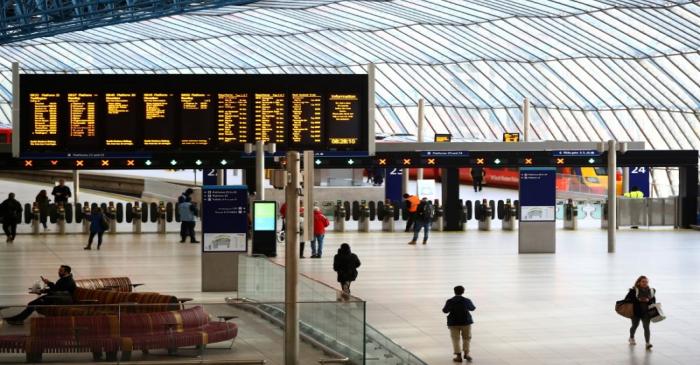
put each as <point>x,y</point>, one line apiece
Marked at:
<point>575,153</point>
<point>442,137</point>
<point>639,177</point>
<point>511,137</point>
<point>265,216</point>
<point>224,218</point>
<point>537,194</point>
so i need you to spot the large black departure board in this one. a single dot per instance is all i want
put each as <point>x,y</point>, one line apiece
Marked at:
<point>63,114</point>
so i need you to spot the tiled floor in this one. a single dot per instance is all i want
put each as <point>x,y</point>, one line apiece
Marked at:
<point>531,309</point>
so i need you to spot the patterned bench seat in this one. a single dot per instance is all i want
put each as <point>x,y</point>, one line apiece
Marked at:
<point>95,334</point>
<point>90,301</point>
<point>122,284</point>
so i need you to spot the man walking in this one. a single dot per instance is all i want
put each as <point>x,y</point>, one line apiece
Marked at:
<point>61,193</point>
<point>411,202</point>
<point>11,213</point>
<point>320,224</point>
<point>478,175</point>
<point>459,321</point>
<point>423,219</point>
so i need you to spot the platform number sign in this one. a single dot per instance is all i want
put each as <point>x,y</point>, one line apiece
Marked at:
<point>639,177</point>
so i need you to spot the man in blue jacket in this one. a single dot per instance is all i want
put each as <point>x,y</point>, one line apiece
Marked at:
<point>459,321</point>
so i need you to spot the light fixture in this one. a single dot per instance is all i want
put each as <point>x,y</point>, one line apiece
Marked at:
<point>351,161</point>
<point>591,160</point>
<point>318,162</point>
<point>198,162</point>
<point>173,162</point>
<point>223,162</point>
<point>148,162</point>
<point>497,161</point>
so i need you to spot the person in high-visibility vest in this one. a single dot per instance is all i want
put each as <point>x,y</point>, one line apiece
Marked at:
<point>412,202</point>
<point>634,193</point>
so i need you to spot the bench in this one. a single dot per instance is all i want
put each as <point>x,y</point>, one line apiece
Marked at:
<point>121,284</point>
<point>109,334</point>
<point>92,301</point>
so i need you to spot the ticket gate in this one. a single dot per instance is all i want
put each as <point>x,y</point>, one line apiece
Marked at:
<point>484,215</point>
<point>388,222</point>
<point>363,219</point>
<point>161,218</point>
<point>111,215</point>
<point>570,215</point>
<point>36,218</point>
<point>136,217</point>
<point>61,218</point>
<point>438,217</point>
<point>339,217</point>
<point>507,213</point>
<point>86,214</point>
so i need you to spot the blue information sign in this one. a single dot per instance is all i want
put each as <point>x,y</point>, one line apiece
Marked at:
<point>639,177</point>
<point>392,184</point>
<point>538,194</point>
<point>224,218</point>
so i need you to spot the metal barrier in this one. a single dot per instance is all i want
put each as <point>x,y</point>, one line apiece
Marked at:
<point>386,215</point>
<point>647,212</point>
<point>507,213</point>
<point>339,217</point>
<point>485,214</point>
<point>363,217</point>
<point>570,215</point>
<point>438,223</point>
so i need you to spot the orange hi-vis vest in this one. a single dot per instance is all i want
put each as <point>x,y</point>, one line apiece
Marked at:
<point>414,203</point>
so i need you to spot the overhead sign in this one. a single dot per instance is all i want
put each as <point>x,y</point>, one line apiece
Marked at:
<point>224,218</point>
<point>444,154</point>
<point>511,137</point>
<point>443,137</point>
<point>576,153</point>
<point>96,114</point>
<point>538,194</point>
<point>639,177</point>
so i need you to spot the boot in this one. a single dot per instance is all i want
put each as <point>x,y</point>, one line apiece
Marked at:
<point>412,242</point>
<point>458,357</point>
<point>301,250</point>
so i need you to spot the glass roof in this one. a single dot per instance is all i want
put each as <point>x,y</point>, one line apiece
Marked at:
<point>593,69</point>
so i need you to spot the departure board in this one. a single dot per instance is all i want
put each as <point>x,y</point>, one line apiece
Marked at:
<point>158,127</point>
<point>343,121</point>
<point>197,110</point>
<point>143,115</point>
<point>307,119</point>
<point>270,118</point>
<point>82,117</point>
<point>232,119</point>
<point>120,120</point>
<point>44,112</point>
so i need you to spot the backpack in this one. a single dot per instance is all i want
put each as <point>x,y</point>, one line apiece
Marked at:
<point>428,211</point>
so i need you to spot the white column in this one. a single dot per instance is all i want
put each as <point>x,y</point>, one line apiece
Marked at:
<point>15,109</point>
<point>291,277</point>
<point>259,170</point>
<point>76,187</point>
<point>612,196</point>
<point>220,176</point>
<point>421,122</point>
<point>526,120</point>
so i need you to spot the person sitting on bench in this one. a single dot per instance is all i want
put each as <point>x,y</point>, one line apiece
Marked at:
<point>59,293</point>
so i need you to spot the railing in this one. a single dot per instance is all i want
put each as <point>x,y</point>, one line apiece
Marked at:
<point>341,328</point>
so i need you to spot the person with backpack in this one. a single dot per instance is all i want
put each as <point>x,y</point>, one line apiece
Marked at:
<point>98,226</point>
<point>411,202</point>
<point>641,296</point>
<point>459,321</point>
<point>11,214</point>
<point>345,263</point>
<point>423,220</point>
<point>320,224</point>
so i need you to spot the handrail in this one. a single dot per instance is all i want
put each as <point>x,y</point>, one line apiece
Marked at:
<point>334,361</point>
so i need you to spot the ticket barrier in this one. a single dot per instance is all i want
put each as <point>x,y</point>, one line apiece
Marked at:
<point>86,214</point>
<point>161,218</point>
<point>388,223</point>
<point>508,215</point>
<point>604,215</point>
<point>36,218</point>
<point>339,217</point>
<point>136,218</point>
<point>61,219</point>
<point>363,221</point>
<point>111,215</point>
<point>570,215</point>
<point>485,215</point>
<point>438,217</point>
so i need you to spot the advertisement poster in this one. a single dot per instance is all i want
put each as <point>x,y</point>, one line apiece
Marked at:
<point>538,194</point>
<point>224,218</point>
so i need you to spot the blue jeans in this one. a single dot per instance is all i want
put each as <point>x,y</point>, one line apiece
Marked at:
<point>319,239</point>
<point>417,227</point>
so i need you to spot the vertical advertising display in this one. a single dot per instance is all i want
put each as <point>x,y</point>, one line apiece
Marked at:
<point>538,195</point>
<point>265,228</point>
<point>224,218</point>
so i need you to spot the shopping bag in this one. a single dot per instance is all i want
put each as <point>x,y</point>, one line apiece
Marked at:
<point>656,314</point>
<point>624,308</point>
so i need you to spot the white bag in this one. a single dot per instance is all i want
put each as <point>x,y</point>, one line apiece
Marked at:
<point>657,314</point>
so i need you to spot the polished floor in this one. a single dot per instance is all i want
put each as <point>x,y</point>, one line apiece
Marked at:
<point>531,309</point>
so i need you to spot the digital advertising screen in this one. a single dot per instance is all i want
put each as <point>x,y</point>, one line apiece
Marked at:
<point>99,114</point>
<point>264,215</point>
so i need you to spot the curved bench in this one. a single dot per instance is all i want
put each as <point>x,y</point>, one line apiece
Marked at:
<point>95,334</point>
<point>90,301</point>
<point>121,283</point>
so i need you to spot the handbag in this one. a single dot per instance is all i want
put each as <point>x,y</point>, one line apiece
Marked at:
<point>656,314</point>
<point>103,224</point>
<point>624,308</point>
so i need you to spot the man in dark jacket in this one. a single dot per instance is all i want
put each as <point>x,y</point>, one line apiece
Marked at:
<point>459,321</point>
<point>345,263</point>
<point>61,193</point>
<point>58,293</point>
<point>11,213</point>
<point>478,174</point>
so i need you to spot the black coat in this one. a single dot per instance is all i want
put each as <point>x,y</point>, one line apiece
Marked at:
<point>346,266</point>
<point>458,308</point>
<point>640,309</point>
<point>42,201</point>
<point>64,284</point>
<point>11,211</point>
<point>61,194</point>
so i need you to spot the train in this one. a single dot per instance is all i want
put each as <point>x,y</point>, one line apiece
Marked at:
<point>5,135</point>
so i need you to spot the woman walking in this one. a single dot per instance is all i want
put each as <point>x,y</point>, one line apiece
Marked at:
<point>98,226</point>
<point>42,202</point>
<point>641,296</point>
<point>345,263</point>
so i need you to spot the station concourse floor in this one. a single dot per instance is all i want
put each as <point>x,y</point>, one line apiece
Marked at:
<point>531,309</point>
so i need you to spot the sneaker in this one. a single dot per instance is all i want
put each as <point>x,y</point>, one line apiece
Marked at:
<point>86,248</point>
<point>458,358</point>
<point>425,241</point>
<point>649,346</point>
<point>194,241</point>
<point>632,342</point>
<point>468,358</point>
<point>413,243</point>
<point>182,241</point>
